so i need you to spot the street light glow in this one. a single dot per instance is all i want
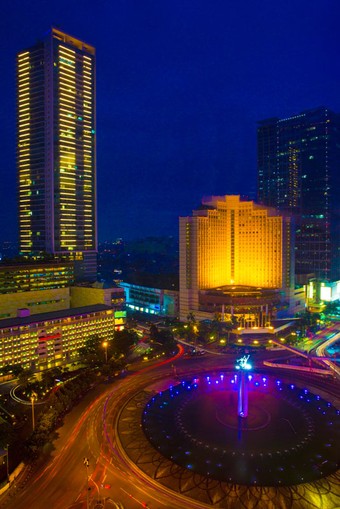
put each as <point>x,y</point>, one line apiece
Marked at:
<point>105,345</point>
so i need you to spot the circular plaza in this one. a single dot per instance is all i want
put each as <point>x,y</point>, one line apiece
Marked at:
<point>290,435</point>
<point>190,438</point>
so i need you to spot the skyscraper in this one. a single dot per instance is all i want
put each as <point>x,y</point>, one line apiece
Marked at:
<point>56,152</point>
<point>299,173</point>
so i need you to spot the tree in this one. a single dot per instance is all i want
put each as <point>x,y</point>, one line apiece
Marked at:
<point>166,339</point>
<point>153,332</point>
<point>193,329</point>
<point>14,369</point>
<point>24,377</point>
<point>92,352</point>
<point>308,321</point>
<point>332,308</point>
<point>48,377</point>
<point>216,323</point>
<point>123,341</point>
<point>6,434</point>
<point>191,318</point>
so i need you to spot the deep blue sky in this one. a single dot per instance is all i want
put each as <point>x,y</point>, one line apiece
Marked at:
<point>180,87</point>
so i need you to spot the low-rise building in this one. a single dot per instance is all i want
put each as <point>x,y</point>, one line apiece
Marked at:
<point>154,301</point>
<point>319,293</point>
<point>42,341</point>
<point>37,301</point>
<point>39,275</point>
<point>100,293</point>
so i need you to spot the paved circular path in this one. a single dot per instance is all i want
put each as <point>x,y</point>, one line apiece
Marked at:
<point>188,440</point>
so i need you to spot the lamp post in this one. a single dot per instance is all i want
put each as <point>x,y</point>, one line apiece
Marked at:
<point>174,370</point>
<point>33,398</point>
<point>105,345</point>
<point>7,464</point>
<point>87,464</point>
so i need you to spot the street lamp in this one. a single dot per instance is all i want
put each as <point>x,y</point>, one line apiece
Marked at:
<point>7,464</point>
<point>87,464</point>
<point>33,398</point>
<point>105,345</point>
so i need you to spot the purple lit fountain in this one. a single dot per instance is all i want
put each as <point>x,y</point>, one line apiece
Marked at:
<point>207,425</point>
<point>243,366</point>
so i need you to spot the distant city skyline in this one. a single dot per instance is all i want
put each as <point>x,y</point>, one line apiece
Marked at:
<point>180,89</point>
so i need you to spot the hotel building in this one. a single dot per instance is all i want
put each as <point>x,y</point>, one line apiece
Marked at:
<point>57,319</point>
<point>236,257</point>
<point>56,151</point>
<point>46,340</point>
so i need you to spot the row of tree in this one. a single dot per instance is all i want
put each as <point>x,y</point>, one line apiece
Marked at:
<point>208,330</point>
<point>59,403</point>
<point>162,340</point>
<point>94,354</point>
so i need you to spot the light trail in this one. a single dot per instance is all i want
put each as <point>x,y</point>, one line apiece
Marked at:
<point>23,401</point>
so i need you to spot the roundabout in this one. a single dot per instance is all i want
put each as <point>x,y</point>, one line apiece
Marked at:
<point>281,442</point>
<point>189,438</point>
<point>148,446</point>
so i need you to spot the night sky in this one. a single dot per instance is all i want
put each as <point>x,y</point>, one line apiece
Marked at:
<point>181,85</point>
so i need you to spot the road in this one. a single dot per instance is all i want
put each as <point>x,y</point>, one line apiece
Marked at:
<point>310,344</point>
<point>89,432</point>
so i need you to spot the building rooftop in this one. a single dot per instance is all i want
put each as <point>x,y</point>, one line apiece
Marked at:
<point>73,41</point>
<point>43,317</point>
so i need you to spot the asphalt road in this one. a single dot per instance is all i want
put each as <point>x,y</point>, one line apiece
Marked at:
<point>89,432</point>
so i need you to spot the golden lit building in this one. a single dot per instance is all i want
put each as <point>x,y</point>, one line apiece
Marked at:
<point>51,339</point>
<point>56,150</point>
<point>233,243</point>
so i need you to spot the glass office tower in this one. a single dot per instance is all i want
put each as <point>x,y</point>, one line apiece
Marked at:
<point>56,153</point>
<point>299,173</point>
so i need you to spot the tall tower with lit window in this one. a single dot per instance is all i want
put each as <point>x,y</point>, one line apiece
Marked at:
<point>56,150</point>
<point>299,173</point>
